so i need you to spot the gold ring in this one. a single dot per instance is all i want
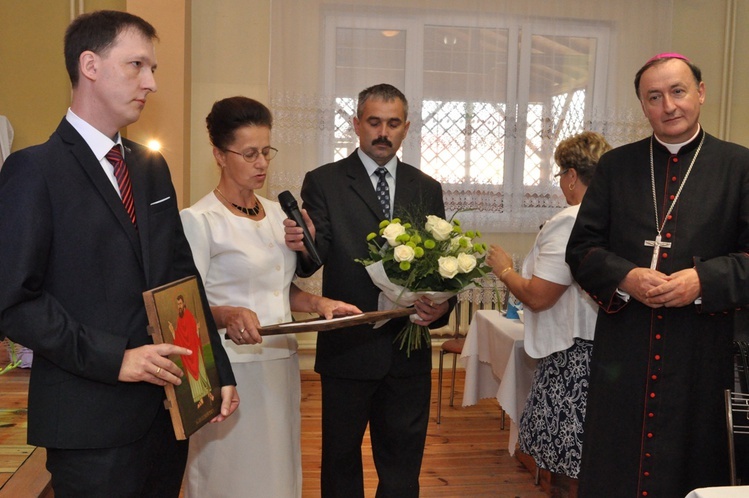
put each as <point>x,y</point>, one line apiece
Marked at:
<point>242,331</point>
<point>158,370</point>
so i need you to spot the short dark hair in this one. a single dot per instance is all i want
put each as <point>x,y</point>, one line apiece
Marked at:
<point>97,31</point>
<point>229,114</point>
<point>696,72</point>
<point>581,152</point>
<point>384,92</point>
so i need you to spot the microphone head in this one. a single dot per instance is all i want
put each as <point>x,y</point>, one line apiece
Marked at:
<point>287,201</point>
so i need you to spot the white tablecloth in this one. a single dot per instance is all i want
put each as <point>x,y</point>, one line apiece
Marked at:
<point>720,492</point>
<point>497,365</point>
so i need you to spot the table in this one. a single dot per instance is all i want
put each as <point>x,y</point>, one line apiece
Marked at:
<point>497,366</point>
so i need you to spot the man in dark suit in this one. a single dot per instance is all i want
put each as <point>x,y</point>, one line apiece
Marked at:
<point>79,245</point>
<point>366,377</point>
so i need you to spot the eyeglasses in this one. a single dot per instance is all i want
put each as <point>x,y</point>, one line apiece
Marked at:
<point>252,154</point>
<point>561,173</point>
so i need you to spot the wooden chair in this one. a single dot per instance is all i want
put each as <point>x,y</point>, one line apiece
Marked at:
<point>485,296</point>
<point>452,346</point>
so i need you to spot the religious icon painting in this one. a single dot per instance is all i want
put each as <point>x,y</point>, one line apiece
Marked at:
<point>176,316</point>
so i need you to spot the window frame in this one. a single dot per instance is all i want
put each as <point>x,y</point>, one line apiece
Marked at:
<point>520,36</point>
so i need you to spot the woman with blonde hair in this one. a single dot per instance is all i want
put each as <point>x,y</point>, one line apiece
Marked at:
<point>559,320</point>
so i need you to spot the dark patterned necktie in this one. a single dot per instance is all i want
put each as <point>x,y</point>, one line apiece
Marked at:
<point>114,156</point>
<point>383,191</point>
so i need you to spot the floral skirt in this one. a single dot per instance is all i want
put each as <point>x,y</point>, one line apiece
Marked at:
<point>551,426</point>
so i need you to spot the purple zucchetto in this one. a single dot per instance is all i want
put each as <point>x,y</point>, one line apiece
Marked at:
<point>667,55</point>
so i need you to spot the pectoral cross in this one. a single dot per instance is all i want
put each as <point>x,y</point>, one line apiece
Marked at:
<point>656,245</point>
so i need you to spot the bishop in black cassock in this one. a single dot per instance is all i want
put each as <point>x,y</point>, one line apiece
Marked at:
<point>655,423</point>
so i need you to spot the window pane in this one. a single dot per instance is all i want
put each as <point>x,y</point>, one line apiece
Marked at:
<point>462,63</point>
<point>465,99</point>
<point>487,144</point>
<point>463,142</point>
<point>365,57</point>
<point>562,69</point>
<point>343,132</point>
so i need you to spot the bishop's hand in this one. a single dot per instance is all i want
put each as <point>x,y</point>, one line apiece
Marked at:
<point>680,289</point>
<point>639,281</point>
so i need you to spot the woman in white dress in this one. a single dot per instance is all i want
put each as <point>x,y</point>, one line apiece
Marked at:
<point>238,242</point>
<point>559,319</point>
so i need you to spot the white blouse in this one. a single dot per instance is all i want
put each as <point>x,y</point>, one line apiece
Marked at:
<point>246,263</point>
<point>574,314</point>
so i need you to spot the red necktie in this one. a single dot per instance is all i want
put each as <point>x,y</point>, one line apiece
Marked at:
<point>114,156</point>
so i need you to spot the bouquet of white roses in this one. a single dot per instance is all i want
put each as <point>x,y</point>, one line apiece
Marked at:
<point>436,259</point>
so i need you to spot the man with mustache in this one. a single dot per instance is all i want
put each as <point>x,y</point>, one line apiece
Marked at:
<point>366,378</point>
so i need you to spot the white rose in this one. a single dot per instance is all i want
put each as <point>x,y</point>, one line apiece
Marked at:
<point>455,243</point>
<point>466,262</point>
<point>403,253</point>
<point>391,232</point>
<point>439,228</point>
<point>448,266</point>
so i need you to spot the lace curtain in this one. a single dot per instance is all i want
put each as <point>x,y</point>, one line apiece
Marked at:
<point>493,86</point>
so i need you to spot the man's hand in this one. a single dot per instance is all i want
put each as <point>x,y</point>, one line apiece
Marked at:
<point>149,363</point>
<point>680,289</point>
<point>229,403</point>
<point>429,311</point>
<point>639,281</point>
<point>329,308</point>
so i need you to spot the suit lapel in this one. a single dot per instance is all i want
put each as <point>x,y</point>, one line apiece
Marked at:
<point>362,184</point>
<point>92,168</point>
<point>137,166</point>
<point>404,188</point>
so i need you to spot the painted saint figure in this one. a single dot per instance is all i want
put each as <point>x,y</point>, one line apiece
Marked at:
<point>187,335</point>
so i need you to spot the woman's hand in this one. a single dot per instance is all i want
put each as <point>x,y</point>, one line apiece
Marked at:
<point>498,259</point>
<point>241,325</point>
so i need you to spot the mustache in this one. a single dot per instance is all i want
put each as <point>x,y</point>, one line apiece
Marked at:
<point>382,140</point>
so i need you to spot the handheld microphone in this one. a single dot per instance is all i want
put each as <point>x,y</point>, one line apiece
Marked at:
<point>290,207</point>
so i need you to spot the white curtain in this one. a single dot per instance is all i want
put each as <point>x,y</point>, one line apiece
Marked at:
<point>6,139</point>
<point>492,86</point>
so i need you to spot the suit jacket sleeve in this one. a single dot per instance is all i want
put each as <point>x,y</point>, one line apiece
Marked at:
<point>597,269</point>
<point>723,278</point>
<point>315,203</point>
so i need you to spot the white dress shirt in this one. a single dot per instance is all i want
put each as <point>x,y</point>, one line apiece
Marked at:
<point>99,143</point>
<point>372,166</point>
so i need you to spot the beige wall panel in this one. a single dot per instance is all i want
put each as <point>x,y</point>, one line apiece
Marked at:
<point>231,46</point>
